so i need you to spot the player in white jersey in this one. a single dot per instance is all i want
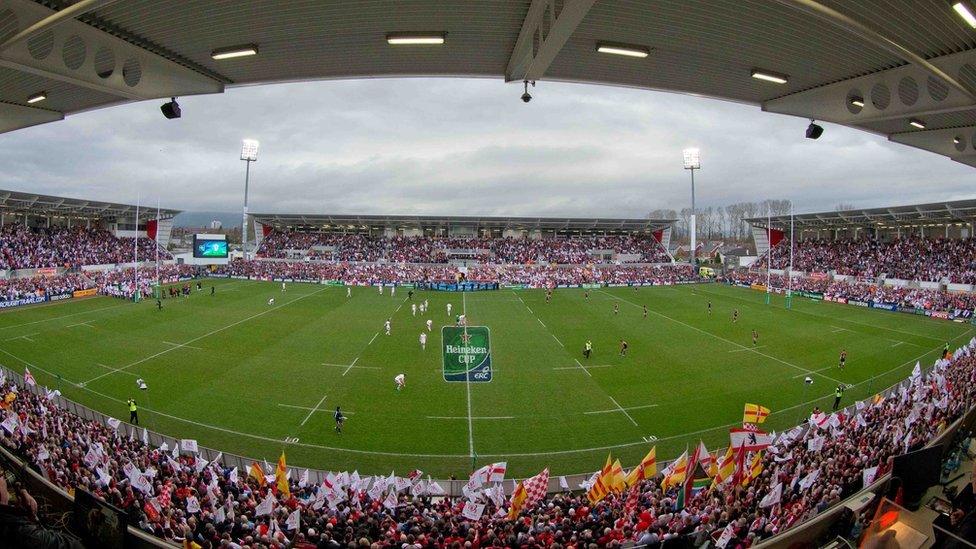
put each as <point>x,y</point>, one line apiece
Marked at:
<point>423,341</point>
<point>401,381</point>
<point>348,291</point>
<point>448,309</point>
<point>380,286</point>
<point>387,326</point>
<point>430,325</point>
<point>392,291</point>
<point>271,301</point>
<point>283,287</point>
<point>413,308</point>
<point>462,320</point>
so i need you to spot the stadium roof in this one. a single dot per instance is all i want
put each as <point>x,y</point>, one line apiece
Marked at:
<point>878,65</point>
<point>936,213</point>
<point>42,205</point>
<point>481,222</point>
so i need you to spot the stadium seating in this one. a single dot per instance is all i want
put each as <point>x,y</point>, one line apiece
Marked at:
<point>28,248</point>
<point>184,499</point>
<point>909,258</point>
<point>574,250</point>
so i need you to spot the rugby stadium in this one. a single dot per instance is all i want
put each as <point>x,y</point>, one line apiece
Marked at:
<point>317,379</point>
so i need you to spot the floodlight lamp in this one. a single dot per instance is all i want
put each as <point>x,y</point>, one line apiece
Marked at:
<point>249,150</point>
<point>692,158</point>
<point>964,11</point>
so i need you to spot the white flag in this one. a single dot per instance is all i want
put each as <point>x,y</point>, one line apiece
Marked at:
<point>293,521</point>
<point>303,481</point>
<point>434,489</point>
<point>391,501</point>
<point>189,445</point>
<point>220,516</point>
<point>473,511</point>
<point>726,536</point>
<point>233,475</point>
<point>563,484</point>
<point>142,484</point>
<point>264,508</point>
<point>176,450</point>
<point>43,454</point>
<point>815,444</point>
<point>145,436</point>
<point>10,424</point>
<point>808,480</point>
<point>773,497</point>
<point>28,378</point>
<point>192,505</point>
<point>868,475</point>
<point>917,370</point>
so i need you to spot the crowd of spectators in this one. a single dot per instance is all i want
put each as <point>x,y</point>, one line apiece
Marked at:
<point>903,296</point>
<point>183,498</point>
<point>908,258</point>
<point>28,248</point>
<point>560,250</point>
<point>539,276</point>
<point>124,282</point>
<point>39,286</point>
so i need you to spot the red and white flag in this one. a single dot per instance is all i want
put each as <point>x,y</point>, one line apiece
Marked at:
<point>28,378</point>
<point>751,439</point>
<point>473,511</point>
<point>536,487</point>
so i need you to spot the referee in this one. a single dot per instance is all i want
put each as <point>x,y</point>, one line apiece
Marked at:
<point>339,419</point>
<point>133,412</point>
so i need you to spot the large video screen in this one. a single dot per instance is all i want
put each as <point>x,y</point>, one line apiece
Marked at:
<point>211,248</point>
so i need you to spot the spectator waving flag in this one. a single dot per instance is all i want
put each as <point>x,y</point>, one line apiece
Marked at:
<point>281,477</point>
<point>28,378</point>
<point>750,438</point>
<point>517,501</point>
<point>754,413</point>
<point>536,487</point>
<point>646,469</point>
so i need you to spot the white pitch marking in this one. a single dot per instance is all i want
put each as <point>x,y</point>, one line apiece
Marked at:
<point>472,417</point>
<point>581,367</point>
<point>612,410</point>
<point>584,367</point>
<point>182,345</point>
<point>622,409</point>
<point>358,367</point>
<point>372,340</point>
<point>114,369</point>
<point>355,360</point>
<point>25,336</point>
<point>897,343</point>
<point>312,411</point>
<point>838,329</point>
<point>539,319</point>
<point>557,339</point>
<point>746,349</point>
<point>80,324</point>
<point>467,379</point>
<point>345,413</point>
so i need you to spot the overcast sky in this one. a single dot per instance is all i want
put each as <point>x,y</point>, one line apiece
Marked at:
<point>451,146</point>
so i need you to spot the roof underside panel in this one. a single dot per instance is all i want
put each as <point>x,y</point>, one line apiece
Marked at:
<point>709,47</point>
<point>937,213</point>
<point>17,86</point>
<point>314,39</point>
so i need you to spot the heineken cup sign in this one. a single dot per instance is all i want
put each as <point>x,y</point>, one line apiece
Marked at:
<point>467,353</point>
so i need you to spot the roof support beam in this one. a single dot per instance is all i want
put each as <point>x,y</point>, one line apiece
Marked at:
<point>75,10</point>
<point>14,117</point>
<point>544,32</point>
<point>853,26</point>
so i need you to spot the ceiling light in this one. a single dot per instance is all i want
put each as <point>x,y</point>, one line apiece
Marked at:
<point>627,50</point>
<point>915,122</point>
<point>857,102</point>
<point>234,51</point>
<point>956,140</point>
<point>37,97</point>
<point>963,10</point>
<point>770,76</point>
<point>415,38</point>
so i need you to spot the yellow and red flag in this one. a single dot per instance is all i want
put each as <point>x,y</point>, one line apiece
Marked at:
<point>256,472</point>
<point>646,469</point>
<point>281,476</point>
<point>754,413</point>
<point>517,501</point>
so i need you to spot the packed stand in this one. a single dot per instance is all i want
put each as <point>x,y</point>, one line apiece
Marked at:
<point>28,248</point>
<point>183,498</point>
<point>908,258</point>
<point>12,289</point>
<point>534,275</point>
<point>561,250</point>
<point>914,298</point>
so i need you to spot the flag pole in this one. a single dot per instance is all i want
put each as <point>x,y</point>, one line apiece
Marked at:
<point>789,284</point>
<point>158,287</point>
<point>135,253</point>
<point>769,248</point>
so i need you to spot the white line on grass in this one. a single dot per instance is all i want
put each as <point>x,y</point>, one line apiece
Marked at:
<point>467,379</point>
<point>297,407</point>
<point>52,304</point>
<point>470,417</point>
<point>622,409</point>
<point>208,334</point>
<point>86,324</point>
<point>373,339</point>
<point>746,349</point>
<point>25,336</point>
<point>838,329</point>
<point>353,363</point>
<point>617,410</point>
<point>539,319</point>
<point>114,369</point>
<point>579,365</point>
<point>312,411</point>
<point>556,338</point>
<point>182,345</point>
<point>720,338</point>
<point>358,367</point>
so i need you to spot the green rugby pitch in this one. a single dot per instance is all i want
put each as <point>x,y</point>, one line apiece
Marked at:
<point>250,378</point>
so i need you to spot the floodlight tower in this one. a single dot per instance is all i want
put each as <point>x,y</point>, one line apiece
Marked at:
<point>249,153</point>
<point>692,161</point>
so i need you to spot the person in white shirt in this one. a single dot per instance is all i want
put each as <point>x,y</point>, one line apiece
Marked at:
<point>282,286</point>
<point>430,325</point>
<point>448,309</point>
<point>387,325</point>
<point>423,341</point>
<point>381,289</point>
<point>413,308</point>
<point>271,301</point>
<point>401,381</point>
<point>392,291</point>
<point>348,291</point>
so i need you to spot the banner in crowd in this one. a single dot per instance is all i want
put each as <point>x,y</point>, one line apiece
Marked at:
<point>59,297</point>
<point>85,293</point>
<point>22,301</point>
<point>460,287</point>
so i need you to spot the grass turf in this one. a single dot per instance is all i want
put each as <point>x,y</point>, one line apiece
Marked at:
<point>243,376</point>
